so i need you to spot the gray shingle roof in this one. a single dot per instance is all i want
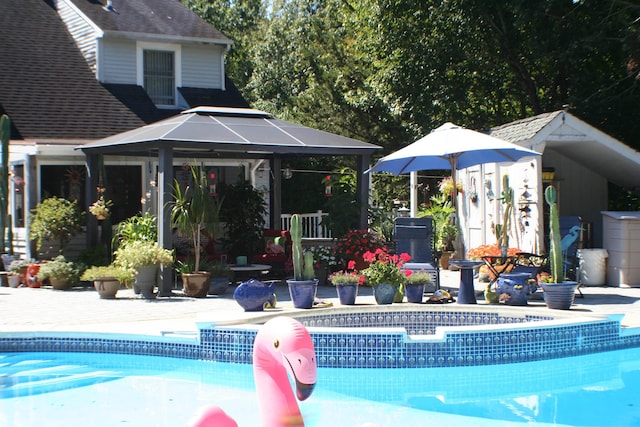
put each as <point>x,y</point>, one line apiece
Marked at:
<point>164,17</point>
<point>46,86</point>
<point>524,129</point>
<point>48,90</point>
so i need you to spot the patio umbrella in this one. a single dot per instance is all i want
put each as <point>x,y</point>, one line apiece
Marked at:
<point>450,147</point>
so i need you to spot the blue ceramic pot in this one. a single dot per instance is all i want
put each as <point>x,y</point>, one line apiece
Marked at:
<point>347,293</point>
<point>559,296</point>
<point>252,295</point>
<point>384,293</point>
<point>303,292</point>
<point>512,288</point>
<point>414,292</point>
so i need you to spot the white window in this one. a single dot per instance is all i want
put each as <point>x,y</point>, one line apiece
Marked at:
<point>159,76</point>
<point>159,72</point>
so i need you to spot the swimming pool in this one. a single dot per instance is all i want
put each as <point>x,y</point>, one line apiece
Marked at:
<point>378,337</point>
<point>80,389</point>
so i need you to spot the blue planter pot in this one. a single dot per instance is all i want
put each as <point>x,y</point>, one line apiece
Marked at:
<point>512,288</point>
<point>347,293</point>
<point>559,296</point>
<point>384,293</point>
<point>414,292</point>
<point>252,295</point>
<point>303,292</point>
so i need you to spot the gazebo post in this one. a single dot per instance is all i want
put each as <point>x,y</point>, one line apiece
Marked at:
<point>276,191</point>
<point>165,240</point>
<point>362,188</point>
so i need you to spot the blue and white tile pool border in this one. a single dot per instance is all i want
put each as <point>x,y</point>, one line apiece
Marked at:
<point>371,337</point>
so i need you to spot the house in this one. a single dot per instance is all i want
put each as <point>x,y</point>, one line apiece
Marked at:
<point>77,73</point>
<point>73,71</point>
<point>578,159</point>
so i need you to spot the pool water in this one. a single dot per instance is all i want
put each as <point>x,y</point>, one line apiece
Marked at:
<point>78,389</point>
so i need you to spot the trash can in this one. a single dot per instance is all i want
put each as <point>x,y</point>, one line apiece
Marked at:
<point>593,266</point>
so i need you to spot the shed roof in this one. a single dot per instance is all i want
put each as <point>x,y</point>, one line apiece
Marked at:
<point>566,134</point>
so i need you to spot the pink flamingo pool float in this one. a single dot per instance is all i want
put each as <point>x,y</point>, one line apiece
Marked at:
<point>282,346</point>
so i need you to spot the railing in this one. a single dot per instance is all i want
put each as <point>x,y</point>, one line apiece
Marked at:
<point>312,226</point>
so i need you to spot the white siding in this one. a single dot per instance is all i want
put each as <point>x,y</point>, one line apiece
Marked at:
<point>82,32</point>
<point>202,66</point>
<point>119,61</point>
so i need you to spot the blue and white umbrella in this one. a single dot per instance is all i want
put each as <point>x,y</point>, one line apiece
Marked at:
<point>451,147</point>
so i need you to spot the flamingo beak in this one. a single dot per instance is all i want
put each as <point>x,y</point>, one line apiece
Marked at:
<point>303,391</point>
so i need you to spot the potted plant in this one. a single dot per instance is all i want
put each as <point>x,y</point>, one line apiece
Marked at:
<point>243,214</point>
<point>220,276</point>
<point>143,226</point>
<point>101,208</point>
<point>107,279</point>
<point>558,292</point>
<point>18,272</point>
<point>325,262</point>
<point>195,210</point>
<point>347,283</point>
<point>385,275</point>
<point>304,285</point>
<point>54,219</point>
<point>415,283</point>
<point>441,211</point>
<point>354,244</point>
<point>60,272</point>
<point>145,258</point>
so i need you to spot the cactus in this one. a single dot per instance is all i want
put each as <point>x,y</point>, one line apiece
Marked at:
<point>555,245</point>
<point>502,230</point>
<point>302,263</point>
<point>5,133</point>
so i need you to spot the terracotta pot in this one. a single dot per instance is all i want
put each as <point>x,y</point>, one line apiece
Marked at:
<point>196,285</point>
<point>107,287</point>
<point>60,284</point>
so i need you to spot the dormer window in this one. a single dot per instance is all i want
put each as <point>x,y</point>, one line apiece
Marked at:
<point>159,76</point>
<point>159,72</point>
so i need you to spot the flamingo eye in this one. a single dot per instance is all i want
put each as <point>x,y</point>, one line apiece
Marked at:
<point>276,343</point>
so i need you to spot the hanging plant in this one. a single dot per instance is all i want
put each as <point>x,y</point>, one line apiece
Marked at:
<point>101,208</point>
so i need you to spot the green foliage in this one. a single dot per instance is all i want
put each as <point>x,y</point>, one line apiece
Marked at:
<point>142,227</point>
<point>139,253</point>
<point>302,262</point>
<point>59,269</point>
<point>219,269</point>
<point>243,214</point>
<point>54,219</point>
<point>440,210</point>
<point>418,278</point>
<point>121,274</point>
<point>502,230</point>
<point>194,210</point>
<point>384,268</point>
<point>555,240</point>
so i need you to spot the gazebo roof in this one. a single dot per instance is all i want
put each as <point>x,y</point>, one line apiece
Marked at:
<point>216,131</point>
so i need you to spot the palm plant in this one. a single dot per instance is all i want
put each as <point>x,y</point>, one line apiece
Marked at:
<point>194,210</point>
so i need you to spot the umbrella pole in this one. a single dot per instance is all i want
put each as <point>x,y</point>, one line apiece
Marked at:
<point>458,245</point>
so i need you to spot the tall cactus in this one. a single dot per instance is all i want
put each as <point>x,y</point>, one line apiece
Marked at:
<point>555,245</point>
<point>5,132</point>
<point>502,233</point>
<point>302,263</point>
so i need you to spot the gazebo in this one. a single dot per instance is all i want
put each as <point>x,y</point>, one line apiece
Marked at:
<point>220,132</point>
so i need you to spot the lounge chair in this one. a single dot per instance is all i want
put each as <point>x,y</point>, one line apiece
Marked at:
<point>415,237</point>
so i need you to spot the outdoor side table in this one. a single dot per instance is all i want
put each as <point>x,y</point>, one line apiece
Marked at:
<point>242,272</point>
<point>466,292</point>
